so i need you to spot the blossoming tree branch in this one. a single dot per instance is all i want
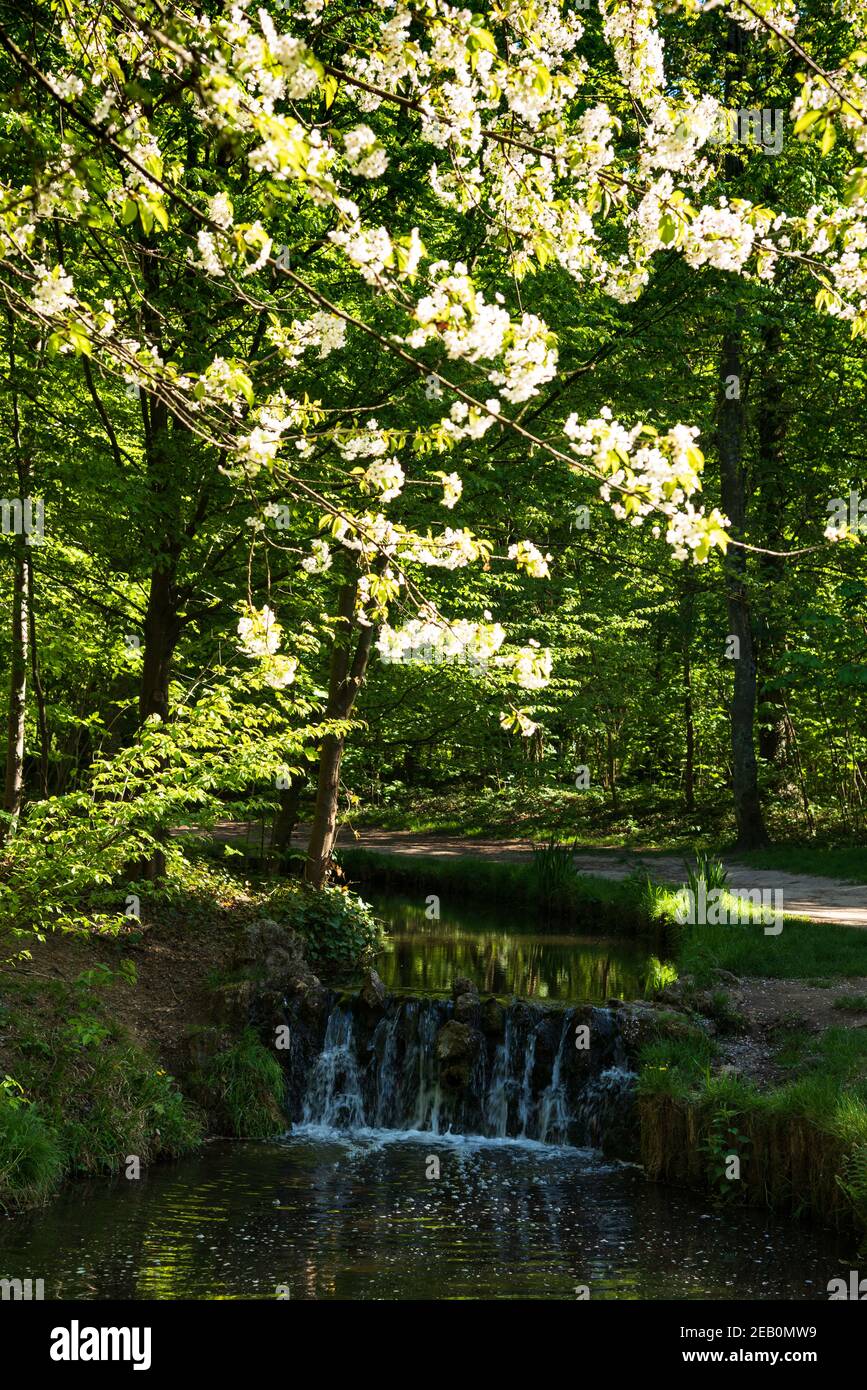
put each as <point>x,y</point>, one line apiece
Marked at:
<point>311,242</point>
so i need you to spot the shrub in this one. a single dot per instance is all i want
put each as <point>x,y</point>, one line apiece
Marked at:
<point>339,929</point>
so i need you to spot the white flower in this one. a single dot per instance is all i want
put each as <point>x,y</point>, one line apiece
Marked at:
<point>364,154</point>
<point>259,632</point>
<point>66,87</point>
<point>452,489</point>
<point>529,558</point>
<point>319,560</point>
<point>385,477</point>
<point>221,210</point>
<point>52,293</point>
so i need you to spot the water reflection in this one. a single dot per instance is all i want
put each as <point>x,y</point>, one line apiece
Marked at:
<point>502,953</point>
<point>358,1219</point>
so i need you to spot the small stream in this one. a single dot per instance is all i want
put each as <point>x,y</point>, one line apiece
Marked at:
<point>395,1182</point>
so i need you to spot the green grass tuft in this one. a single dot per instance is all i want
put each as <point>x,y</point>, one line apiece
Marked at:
<point>243,1086</point>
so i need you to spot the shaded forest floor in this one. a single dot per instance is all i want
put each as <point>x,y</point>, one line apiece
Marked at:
<point>177,953</point>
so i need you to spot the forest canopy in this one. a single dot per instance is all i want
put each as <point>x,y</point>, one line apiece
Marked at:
<point>405,399</point>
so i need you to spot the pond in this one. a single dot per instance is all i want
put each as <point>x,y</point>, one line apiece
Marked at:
<point>503,953</point>
<point>416,1211</point>
<point>359,1218</point>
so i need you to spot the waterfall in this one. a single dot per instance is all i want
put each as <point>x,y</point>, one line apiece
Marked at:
<point>553,1111</point>
<point>333,1097</point>
<point>511,1072</point>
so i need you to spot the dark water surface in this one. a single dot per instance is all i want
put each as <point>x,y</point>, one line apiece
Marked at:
<point>502,952</point>
<point>357,1218</point>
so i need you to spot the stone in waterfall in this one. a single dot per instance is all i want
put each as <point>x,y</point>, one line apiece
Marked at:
<point>456,1047</point>
<point>468,1009</point>
<point>466,996</point>
<point>373,991</point>
<point>463,985</point>
<point>493,1019</point>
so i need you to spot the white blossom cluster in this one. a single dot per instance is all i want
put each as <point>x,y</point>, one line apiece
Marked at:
<point>365,156</point>
<point>529,558</point>
<point>456,314</point>
<point>384,477</point>
<point>260,636</point>
<point>320,559</point>
<point>648,473</point>
<point>429,639</point>
<point>321,330</point>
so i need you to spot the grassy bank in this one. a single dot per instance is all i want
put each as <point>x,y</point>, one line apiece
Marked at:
<point>85,1099</point>
<point>802,951</point>
<point>800,1147</point>
<point>848,863</point>
<point>120,1047</point>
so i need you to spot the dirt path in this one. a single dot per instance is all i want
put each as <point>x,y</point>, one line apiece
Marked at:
<point>804,895</point>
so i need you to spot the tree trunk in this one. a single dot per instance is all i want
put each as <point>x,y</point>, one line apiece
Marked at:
<point>13,791</point>
<point>771,432</point>
<point>286,818</point>
<point>689,761</point>
<point>751,832</point>
<point>14,783</point>
<point>161,632</point>
<point>345,679</point>
<point>38,690</point>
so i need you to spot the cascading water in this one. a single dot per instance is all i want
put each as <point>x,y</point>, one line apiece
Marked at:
<point>519,1071</point>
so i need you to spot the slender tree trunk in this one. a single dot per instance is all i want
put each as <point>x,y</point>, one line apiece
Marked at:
<point>13,790</point>
<point>161,625</point>
<point>161,632</point>
<point>751,832</point>
<point>611,762</point>
<point>286,818</point>
<point>346,676</point>
<point>689,722</point>
<point>38,690</point>
<point>14,784</point>
<point>770,474</point>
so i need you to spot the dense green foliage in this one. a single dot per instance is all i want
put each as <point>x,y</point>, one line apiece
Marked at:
<point>338,927</point>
